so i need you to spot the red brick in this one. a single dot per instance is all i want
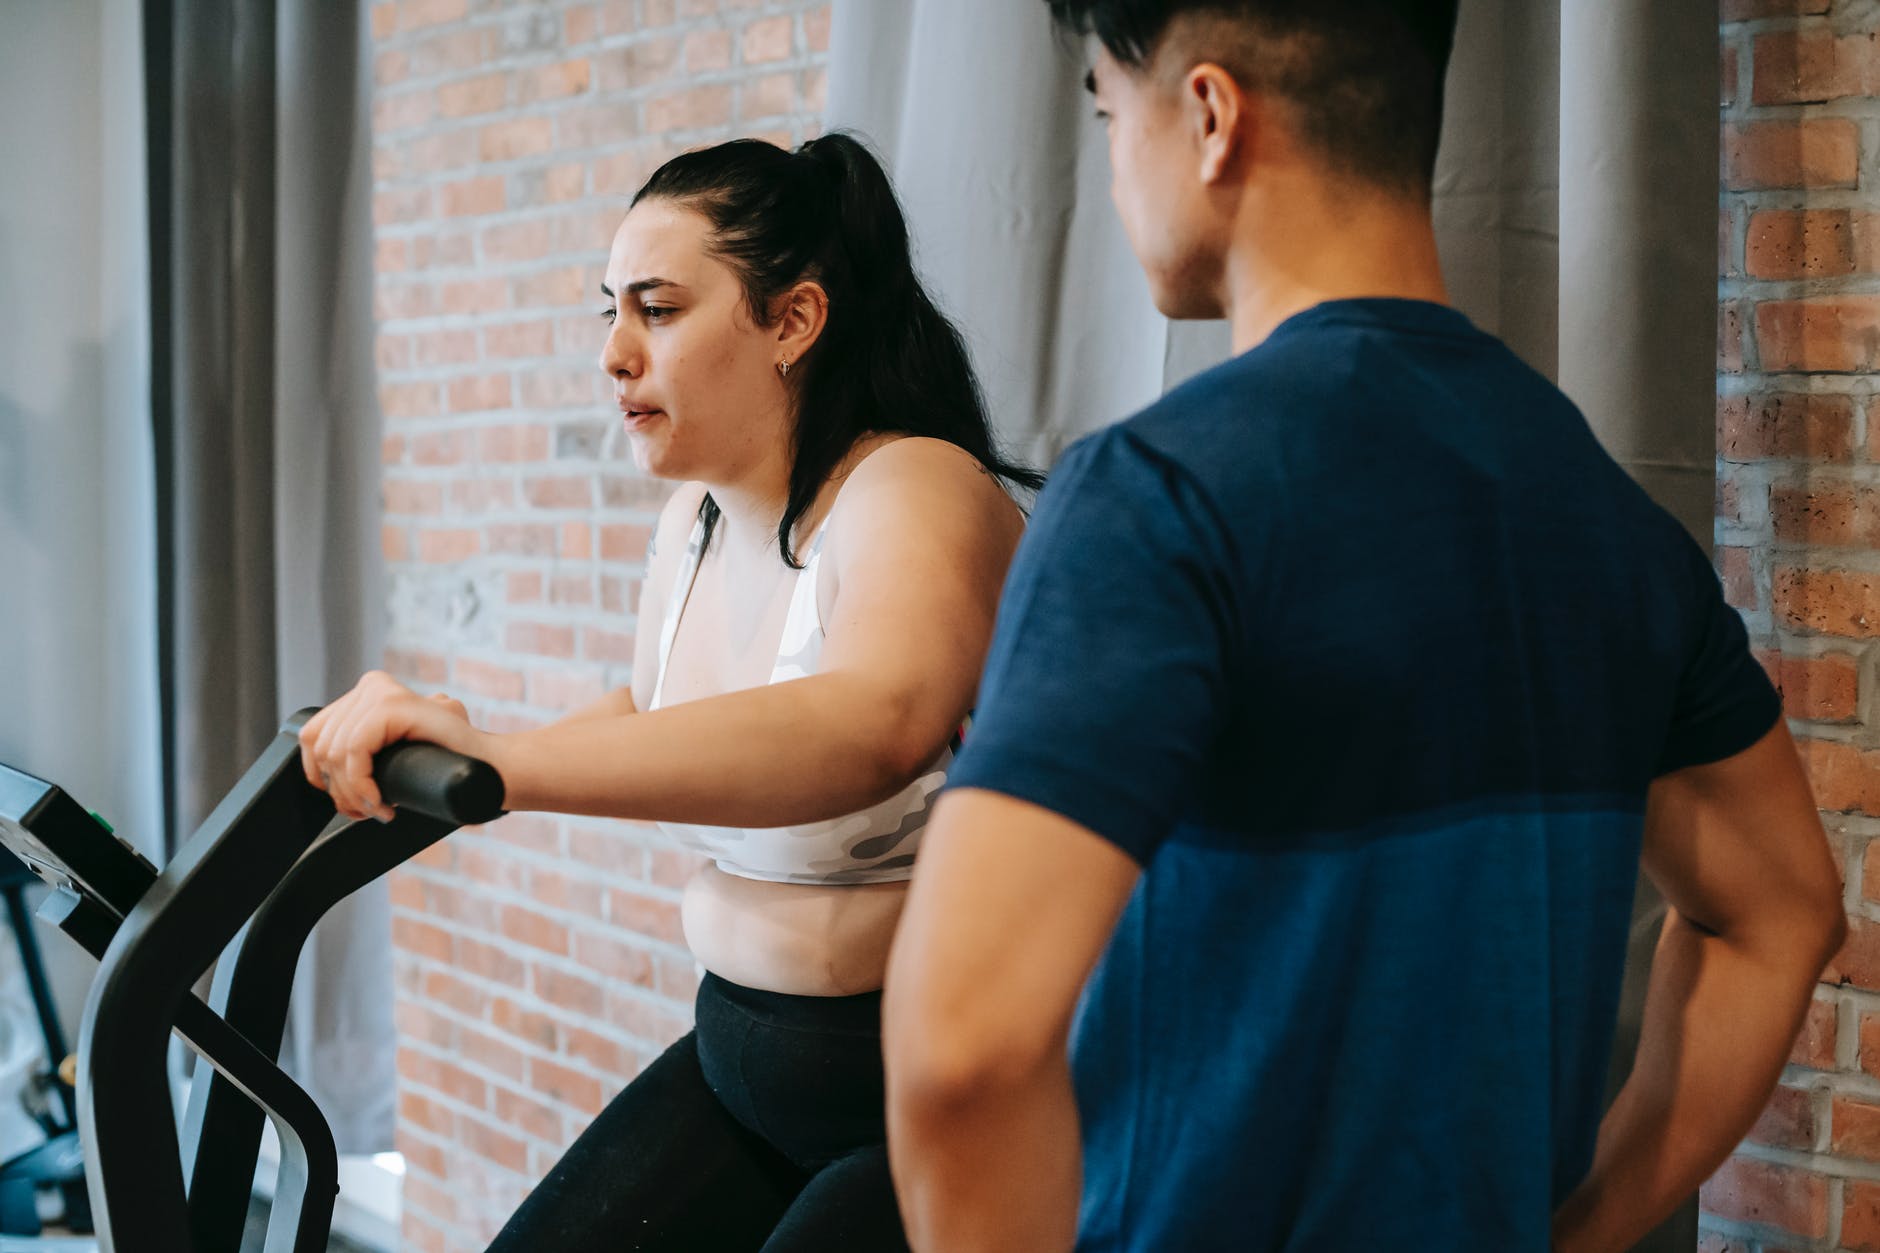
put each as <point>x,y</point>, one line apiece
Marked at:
<point>487,961</point>
<point>1727,76</point>
<point>1744,1190</point>
<point>521,587</point>
<point>1829,334</point>
<point>408,400</point>
<point>571,995</point>
<point>568,1086</point>
<point>559,388</point>
<point>531,1026</point>
<point>646,915</point>
<point>526,1114</point>
<point>560,892</point>
<point>1860,1217</point>
<point>1844,778</point>
<point>1826,515</point>
<point>526,926</point>
<point>1856,1129</point>
<point>1815,64</point>
<point>707,50</point>
<point>526,539</point>
<point>384,21</point>
<point>1811,152</point>
<point>414,14</point>
<point>1746,10</point>
<point>467,97</point>
<point>492,1053</point>
<point>1823,689</point>
<point>540,832</point>
<point>493,1145</point>
<point>402,112</point>
<point>567,285</point>
<point>473,196</point>
<point>421,667</point>
<point>406,496</point>
<point>485,679</point>
<point>1739,582</point>
<point>428,1114</point>
<point>451,545</point>
<point>553,689</point>
<point>421,939</point>
<point>695,108</point>
<point>553,82</point>
<point>512,443</point>
<point>769,40</point>
<point>771,96</point>
<point>444,250</point>
<point>447,347</point>
<point>816,28</point>
<point>519,339</point>
<point>598,1051</point>
<point>509,242</point>
<point>645,63</point>
<point>477,295</point>
<point>479,393</point>
<point>571,589</point>
<point>1788,1121</point>
<point>448,52</point>
<point>515,138</point>
<point>1791,243</point>
<point>1814,428</point>
<point>440,448</point>
<point>577,541</point>
<point>625,543</point>
<point>579,26</point>
<point>595,126</point>
<point>598,645</point>
<point>618,960</point>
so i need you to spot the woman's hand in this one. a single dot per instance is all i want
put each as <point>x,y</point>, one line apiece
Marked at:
<point>338,743</point>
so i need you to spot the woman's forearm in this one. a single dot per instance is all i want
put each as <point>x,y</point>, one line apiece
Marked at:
<point>802,751</point>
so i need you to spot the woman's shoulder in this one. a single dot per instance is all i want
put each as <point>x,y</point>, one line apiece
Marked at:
<point>929,482</point>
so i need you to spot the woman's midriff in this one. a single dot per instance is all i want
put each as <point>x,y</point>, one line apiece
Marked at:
<point>799,938</point>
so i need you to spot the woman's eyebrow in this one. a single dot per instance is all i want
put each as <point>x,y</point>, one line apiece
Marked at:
<point>639,285</point>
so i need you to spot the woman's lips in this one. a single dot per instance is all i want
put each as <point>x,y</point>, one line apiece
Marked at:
<point>635,418</point>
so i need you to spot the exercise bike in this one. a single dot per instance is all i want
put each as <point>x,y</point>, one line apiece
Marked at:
<point>270,859</point>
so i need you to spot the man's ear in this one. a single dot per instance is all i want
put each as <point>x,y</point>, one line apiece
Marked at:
<point>1216,111</point>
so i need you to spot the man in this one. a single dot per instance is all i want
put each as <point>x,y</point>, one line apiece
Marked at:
<point>1334,701</point>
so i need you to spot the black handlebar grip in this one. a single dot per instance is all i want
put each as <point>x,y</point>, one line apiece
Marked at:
<point>438,783</point>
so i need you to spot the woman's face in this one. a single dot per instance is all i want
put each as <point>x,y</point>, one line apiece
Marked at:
<point>695,377</point>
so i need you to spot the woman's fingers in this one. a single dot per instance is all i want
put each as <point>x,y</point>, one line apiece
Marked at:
<point>337,744</point>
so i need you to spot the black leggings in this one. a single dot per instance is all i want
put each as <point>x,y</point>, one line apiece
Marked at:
<point>762,1129</point>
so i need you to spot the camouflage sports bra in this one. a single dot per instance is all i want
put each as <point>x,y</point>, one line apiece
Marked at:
<point>874,845</point>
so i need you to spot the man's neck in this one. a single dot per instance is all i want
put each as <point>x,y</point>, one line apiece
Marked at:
<point>1299,247</point>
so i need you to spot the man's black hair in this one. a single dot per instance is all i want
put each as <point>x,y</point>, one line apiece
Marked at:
<point>1364,76</point>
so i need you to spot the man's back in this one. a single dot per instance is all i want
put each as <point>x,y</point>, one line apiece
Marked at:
<point>1398,651</point>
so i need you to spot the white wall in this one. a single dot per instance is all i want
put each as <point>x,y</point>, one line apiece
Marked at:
<point>77,577</point>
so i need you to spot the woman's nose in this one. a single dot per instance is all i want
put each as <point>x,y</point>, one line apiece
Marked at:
<point>620,356</point>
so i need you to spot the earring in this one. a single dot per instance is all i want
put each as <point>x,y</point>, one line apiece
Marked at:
<point>783,367</point>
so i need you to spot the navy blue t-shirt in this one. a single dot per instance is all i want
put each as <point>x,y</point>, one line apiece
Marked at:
<point>1367,652</point>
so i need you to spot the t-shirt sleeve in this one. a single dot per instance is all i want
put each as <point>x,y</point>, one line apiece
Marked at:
<point>1103,692</point>
<point>1725,702</point>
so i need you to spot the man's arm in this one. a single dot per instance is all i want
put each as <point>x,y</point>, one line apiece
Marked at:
<point>1011,906</point>
<point>1737,849</point>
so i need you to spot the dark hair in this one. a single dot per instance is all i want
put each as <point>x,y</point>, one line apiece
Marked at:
<point>1365,75</point>
<point>887,359</point>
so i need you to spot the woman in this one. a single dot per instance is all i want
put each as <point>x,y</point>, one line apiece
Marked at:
<point>818,604</point>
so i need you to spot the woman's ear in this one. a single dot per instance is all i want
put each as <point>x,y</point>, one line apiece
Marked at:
<point>805,311</point>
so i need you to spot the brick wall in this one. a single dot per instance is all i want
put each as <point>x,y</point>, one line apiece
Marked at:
<point>1798,530</point>
<point>539,962</point>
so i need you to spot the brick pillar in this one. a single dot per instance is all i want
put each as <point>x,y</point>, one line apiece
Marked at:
<point>539,962</point>
<point>1798,525</point>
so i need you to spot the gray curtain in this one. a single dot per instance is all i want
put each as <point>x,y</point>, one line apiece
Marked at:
<point>267,450</point>
<point>1575,197</point>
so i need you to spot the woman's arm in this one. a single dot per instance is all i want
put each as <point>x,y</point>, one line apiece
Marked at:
<point>917,550</point>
